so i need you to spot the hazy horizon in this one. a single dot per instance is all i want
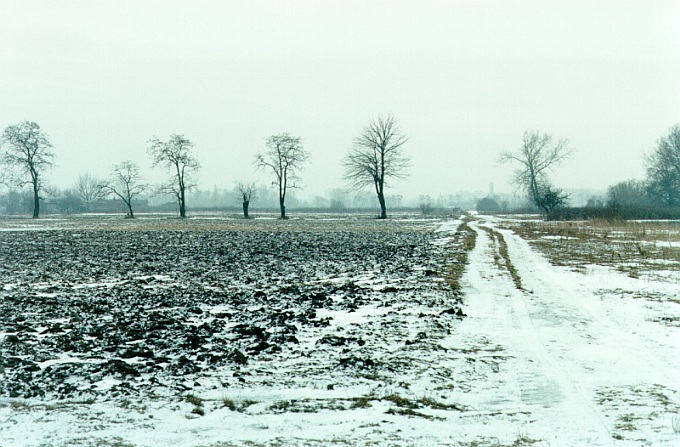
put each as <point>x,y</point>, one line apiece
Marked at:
<point>465,79</point>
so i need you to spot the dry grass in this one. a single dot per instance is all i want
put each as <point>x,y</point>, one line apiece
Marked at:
<point>502,257</point>
<point>636,248</point>
<point>459,257</point>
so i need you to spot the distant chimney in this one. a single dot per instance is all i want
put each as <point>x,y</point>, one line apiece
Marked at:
<point>490,189</point>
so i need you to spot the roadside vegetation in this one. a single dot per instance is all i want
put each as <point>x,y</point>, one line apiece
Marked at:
<point>459,258</point>
<point>501,255</point>
<point>638,248</point>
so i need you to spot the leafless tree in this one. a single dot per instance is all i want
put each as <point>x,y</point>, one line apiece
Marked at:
<point>629,193</point>
<point>285,157</point>
<point>377,155</point>
<point>126,182</point>
<point>539,154</point>
<point>246,191</point>
<point>176,156</point>
<point>28,154</point>
<point>663,169</point>
<point>89,189</point>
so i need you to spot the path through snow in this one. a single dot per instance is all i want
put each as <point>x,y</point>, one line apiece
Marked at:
<point>583,366</point>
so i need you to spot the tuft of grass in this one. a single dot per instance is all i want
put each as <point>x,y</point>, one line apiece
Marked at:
<point>244,404</point>
<point>230,404</point>
<point>237,405</point>
<point>360,402</point>
<point>197,402</point>
<point>295,406</point>
<point>403,402</point>
<point>19,405</point>
<point>282,405</point>
<point>429,402</point>
<point>410,412</point>
<point>523,440</point>
<point>400,401</point>
<point>194,400</point>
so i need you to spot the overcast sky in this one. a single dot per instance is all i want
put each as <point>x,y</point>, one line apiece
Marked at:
<point>464,78</point>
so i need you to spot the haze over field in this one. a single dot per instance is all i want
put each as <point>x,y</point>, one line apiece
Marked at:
<point>464,78</point>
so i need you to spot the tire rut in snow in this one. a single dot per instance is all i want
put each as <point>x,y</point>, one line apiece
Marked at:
<point>533,377</point>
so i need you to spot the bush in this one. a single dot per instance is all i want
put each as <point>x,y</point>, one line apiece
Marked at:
<point>488,205</point>
<point>616,213</point>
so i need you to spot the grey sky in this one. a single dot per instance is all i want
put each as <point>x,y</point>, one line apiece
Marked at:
<point>464,78</point>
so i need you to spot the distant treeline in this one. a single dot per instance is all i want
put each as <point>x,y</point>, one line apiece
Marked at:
<point>21,203</point>
<point>616,213</point>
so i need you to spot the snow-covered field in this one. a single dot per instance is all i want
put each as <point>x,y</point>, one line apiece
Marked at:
<point>327,332</point>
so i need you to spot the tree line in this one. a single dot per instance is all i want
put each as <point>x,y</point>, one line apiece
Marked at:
<point>661,187</point>
<point>376,155</point>
<point>540,154</point>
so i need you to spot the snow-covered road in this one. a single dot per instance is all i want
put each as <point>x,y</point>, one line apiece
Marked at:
<point>586,367</point>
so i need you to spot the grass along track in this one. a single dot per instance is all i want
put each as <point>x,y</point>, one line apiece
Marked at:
<point>636,248</point>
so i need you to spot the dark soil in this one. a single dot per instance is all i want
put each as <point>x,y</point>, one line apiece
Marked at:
<point>119,312</point>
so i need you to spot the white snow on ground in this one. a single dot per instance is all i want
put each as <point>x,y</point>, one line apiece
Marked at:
<point>571,360</point>
<point>583,361</point>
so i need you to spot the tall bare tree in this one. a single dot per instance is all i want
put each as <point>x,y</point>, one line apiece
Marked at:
<point>28,153</point>
<point>126,182</point>
<point>539,154</point>
<point>246,192</point>
<point>377,155</point>
<point>285,157</point>
<point>89,189</point>
<point>176,156</point>
<point>663,169</point>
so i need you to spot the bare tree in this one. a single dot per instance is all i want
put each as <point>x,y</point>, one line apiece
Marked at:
<point>89,189</point>
<point>377,154</point>
<point>539,155</point>
<point>663,169</point>
<point>28,153</point>
<point>338,199</point>
<point>285,157</point>
<point>629,193</point>
<point>176,156</point>
<point>246,191</point>
<point>126,182</point>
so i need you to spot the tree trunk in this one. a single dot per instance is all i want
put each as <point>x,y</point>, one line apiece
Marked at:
<point>283,208</point>
<point>36,206</point>
<point>383,208</point>
<point>182,204</point>
<point>130,215</point>
<point>246,203</point>
<point>36,199</point>
<point>381,198</point>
